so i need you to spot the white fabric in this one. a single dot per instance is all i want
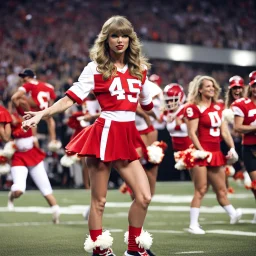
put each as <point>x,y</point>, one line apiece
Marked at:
<point>85,81</point>
<point>120,116</point>
<point>237,111</point>
<point>24,144</point>
<point>194,215</point>
<point>38,175</point>
<point>104,139</point>
<point>145,95</point>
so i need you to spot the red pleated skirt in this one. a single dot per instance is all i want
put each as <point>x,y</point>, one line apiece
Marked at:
<point>28,158</point>
<point>217,157</point>
<point>108,140</point>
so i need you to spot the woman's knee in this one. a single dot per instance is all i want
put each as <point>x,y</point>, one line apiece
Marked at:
<point>144,200</point>
<point>99,204</point>
<point>221,192</point>
<point>201,191</point>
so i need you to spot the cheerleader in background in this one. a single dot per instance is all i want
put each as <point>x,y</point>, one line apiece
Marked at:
<point>174,98</point>
<point>235,91</point>
<point>29,159</point>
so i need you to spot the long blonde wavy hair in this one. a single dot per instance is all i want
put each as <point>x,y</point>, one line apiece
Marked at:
<point>194,96</point>
<point>133,55</point>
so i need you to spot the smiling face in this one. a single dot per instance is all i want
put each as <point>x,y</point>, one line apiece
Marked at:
<point>207,89</point>
<point>118,43</point>
<point>253,90</point>
<point>237,92</point>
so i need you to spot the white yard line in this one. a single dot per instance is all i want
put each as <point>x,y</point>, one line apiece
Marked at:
<point>190,252</point>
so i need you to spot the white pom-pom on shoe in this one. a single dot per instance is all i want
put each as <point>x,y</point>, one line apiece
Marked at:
<point>144,240</point>
<point>104,241</point>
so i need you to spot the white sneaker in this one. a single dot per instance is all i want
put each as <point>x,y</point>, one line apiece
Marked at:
<point>10,204</point>
<point>254,219</point>
<point>235,219</point>
<point>196,230</point>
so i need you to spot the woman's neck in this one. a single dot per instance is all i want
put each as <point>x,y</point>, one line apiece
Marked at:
<point>205,102</point>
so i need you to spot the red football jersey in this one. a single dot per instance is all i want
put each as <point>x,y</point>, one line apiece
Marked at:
<point>245,108</point>
<point>210,120</point>
<point>40,92</point>
<point>119,93</point>
<point>178,133</point>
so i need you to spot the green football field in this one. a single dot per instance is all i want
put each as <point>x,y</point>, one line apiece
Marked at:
<point>28,230</point>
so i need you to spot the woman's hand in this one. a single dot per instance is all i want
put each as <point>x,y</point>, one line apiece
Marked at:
<point>31,119</point>
<point>232,156</point>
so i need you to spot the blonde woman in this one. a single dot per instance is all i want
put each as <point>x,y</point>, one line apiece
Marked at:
<point>117,76</point>
<point>205,128</point>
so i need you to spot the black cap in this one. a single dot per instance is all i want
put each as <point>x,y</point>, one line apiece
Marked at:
<point>27,72</point>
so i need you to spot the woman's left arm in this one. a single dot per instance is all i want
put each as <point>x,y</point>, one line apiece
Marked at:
<point>225,134</point>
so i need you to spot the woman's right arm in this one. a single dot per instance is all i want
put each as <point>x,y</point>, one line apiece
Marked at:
<point>192,125</point>
<point>33,118</point>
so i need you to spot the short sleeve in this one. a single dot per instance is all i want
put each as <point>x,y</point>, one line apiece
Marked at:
<point>191,111</point>
<point>80,90</point>
<point>238,108</point>
<point>145,96</point>
<point>27,87</point>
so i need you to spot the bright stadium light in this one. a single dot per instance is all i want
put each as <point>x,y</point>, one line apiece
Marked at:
<point>242,58</point>
<point>179,53</point>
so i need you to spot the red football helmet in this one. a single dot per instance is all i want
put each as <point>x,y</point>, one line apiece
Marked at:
<point>236,81</point>
<point>174,96</point>
<point>252,77</point>
<point>156,79</point>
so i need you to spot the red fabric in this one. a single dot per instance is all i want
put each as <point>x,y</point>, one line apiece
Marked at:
<point>181,143</point>
<point>28,158</point>
<point>218,159</point>
<point>5,116</point>
<point>148,130</point>
<point>95,233</point>
<point>122,141</point>
<point>133,233</point>
<point>147,107</point>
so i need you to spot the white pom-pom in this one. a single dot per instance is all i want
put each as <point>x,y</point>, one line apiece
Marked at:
<point>230,170</point>
<point>199,154</point>
<point>67,161</point>
<point>155,154</point>
<point>103,241</point>
<point>228,115</point>
<point>54,145</point>
<point>180,165</point>
<point>88,244</point>
<point>9,149</point>
<point>145,240</point>
<point>4,169</point>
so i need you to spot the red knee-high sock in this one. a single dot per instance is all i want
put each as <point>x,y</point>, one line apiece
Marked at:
<point>94,234</point>
<point>133,233</point>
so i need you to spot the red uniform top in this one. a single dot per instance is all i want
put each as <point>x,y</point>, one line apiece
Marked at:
<point>178,133</point>
<point>245,108</point>
<point>119,93</point>
<point>40,92</point>
<point>210,120</point>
